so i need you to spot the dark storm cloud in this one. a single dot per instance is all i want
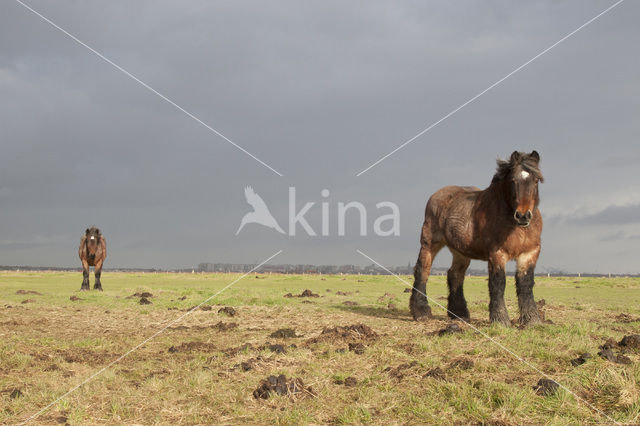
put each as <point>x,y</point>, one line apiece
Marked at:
<point>318,91</point>
<point>620,236</point>
<point>613,215</point>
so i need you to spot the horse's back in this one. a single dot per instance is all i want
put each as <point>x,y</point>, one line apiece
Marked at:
<point>449,197</point>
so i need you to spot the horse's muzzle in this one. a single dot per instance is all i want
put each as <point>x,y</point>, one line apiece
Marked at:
<point>523,219</point>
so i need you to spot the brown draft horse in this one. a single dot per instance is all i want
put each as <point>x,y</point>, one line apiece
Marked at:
<point>92,252</point>
<point>498,224</point>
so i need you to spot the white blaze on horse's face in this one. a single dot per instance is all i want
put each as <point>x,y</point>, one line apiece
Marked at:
<point>93,237</point>
<point>524,174</point>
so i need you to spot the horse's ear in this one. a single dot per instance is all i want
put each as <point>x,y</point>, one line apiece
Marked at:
<point>515,156</point>
<point>98,231</point>
<point>536,157</point>
<point>87,231</point>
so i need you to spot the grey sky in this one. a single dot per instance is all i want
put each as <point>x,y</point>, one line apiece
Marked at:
<point>319,90</point>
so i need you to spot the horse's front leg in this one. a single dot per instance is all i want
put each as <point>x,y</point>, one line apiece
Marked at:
<point>457,305</point>
<point>85,276</point>
<point>497,282</point>
<point>98,271</point>
<point>526,264</point>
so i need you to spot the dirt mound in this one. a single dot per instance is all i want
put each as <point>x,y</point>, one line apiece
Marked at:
<point>306,293</point>
<point>219,326</point>
<point>461,364</point>
<point>631,341</point>
<point>348,382</point>
<point>400,371</point>
<point>281,385</point>
<point>276,347</point>
<point>249,364</point>
<point>75,298</point>
<point>541,309</point>
<point>546,387</point>
<point>193,347</point>
<point>349,332</point>
<point>144,301</point>
<point>350,303</point>
<point>342,293</point>
<point>449,329</point>
<point>581,359</point>
<point>28,292</point>
<point>407,290</point>
<point>144,294</point>
<point>238,349</point>
<point>610,356</point>
<point>225,326</point>
<point>87,356</point>
<point>284,333</point>
<point>385,296</point>
<point>200,307</point>
<point>626,318</point>
<point>13,392</point>
<point>628,343</point>
<point>227,310</point>
<point>357,336</point>
<point>357,348</point>
<point>27,301</point>
<point>182,298</point>
<point>435,373</point>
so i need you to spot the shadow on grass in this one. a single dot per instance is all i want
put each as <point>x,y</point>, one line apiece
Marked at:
<point>384,312</point>
<point>404,315</point>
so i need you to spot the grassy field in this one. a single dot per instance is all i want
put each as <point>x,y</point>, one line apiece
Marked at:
<point>194,372</point>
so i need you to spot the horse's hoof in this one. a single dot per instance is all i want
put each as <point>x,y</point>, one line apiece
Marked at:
<point>460,318</point>
<point>98,288</point>
<point>421,314</point>
<point>527,322</point>
<point>501,322</point>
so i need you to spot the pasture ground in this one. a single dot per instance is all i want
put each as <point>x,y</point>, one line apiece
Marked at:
<point>193,372</point>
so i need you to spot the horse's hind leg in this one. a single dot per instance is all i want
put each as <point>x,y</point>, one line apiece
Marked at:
<point>457,306</point>
<point>418,303</point>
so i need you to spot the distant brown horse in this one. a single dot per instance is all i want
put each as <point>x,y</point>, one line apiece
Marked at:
<point>92,252</point>
<point>498,224</point>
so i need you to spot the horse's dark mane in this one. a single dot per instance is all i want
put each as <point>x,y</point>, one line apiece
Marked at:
<point>526,161</point>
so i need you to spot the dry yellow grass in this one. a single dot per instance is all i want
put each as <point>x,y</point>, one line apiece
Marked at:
<point>192,373</point>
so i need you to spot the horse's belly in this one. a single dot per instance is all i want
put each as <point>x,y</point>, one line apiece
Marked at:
<point>460,236</point>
